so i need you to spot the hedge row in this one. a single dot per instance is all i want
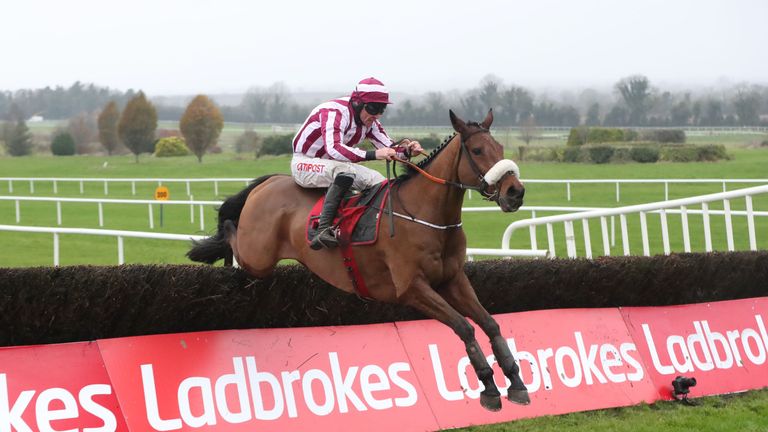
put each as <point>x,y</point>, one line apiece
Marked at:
<point>48,305</point>
<point>625,152</point>
<point>597,135</point>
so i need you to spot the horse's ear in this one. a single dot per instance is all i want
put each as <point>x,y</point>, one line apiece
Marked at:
<point>486,124</point>
<point>458,124</point>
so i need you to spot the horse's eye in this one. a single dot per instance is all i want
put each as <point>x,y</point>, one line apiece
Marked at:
<point>477,151</point>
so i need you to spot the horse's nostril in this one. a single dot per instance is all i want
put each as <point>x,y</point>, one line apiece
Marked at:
<point>516,193</point>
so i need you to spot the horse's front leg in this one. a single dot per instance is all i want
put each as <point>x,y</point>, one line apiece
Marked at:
<point>462,297</point>
<point>422,297</point>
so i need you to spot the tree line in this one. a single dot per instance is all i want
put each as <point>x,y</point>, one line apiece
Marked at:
<point>633,101</point>
<point>135,128</point>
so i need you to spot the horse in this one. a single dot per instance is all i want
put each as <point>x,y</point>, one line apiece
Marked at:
<point>421,266</point>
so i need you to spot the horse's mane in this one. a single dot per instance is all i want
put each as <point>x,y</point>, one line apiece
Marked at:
<point>410,171</point>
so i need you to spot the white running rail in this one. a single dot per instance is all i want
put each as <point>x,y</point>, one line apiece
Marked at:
<point>99,232</point>
<point>662,208</point>
<point>471,252</point>
<point>188,181</point>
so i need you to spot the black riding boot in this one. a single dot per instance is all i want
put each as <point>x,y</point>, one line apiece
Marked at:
<point>324,236</point>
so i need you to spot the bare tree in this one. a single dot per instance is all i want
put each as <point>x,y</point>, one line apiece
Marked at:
<point>528,132</point>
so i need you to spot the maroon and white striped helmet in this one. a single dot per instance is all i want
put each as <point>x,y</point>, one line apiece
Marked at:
<point>370,90</point>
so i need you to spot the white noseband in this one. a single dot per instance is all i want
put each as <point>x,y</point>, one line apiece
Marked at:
<point>500,169</point>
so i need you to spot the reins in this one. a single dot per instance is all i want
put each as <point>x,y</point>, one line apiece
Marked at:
<point>479,188</point>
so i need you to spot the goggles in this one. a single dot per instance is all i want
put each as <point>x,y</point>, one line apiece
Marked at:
<point>375,108</point>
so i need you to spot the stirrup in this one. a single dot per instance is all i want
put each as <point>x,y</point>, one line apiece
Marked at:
<point>324,239</point>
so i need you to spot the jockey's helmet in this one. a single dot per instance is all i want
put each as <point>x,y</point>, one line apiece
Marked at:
<point>370,90</point>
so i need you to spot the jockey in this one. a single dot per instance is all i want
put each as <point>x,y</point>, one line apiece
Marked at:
<point>324,152</point>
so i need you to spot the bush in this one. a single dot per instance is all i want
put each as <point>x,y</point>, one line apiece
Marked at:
<point>680,154</point>
<point>690,153</point>
<point>171,146</point>
<point>578,136</point>
<point>572,154</point>
<point>603,135</point>
<point>601,154</point>
<point>644,154</point>
<point>712,152</point>
<point>631,135</point>
<point>63,144</point>
<point>276,145</point>
<point>664,135</point>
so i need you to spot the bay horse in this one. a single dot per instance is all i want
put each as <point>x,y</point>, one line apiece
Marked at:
<point>422,266</point>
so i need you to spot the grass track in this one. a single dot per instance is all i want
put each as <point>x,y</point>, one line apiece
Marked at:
<point>739,412</point>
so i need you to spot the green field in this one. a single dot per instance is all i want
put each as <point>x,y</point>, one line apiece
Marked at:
<point>739,412</point>
<point>484,230</point>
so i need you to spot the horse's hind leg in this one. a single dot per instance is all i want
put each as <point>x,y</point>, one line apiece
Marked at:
<point>422,297</point>
<point>462,297</point>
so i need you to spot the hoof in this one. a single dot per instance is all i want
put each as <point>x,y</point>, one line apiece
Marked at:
<point>519,397</point>
<point>491,403</point>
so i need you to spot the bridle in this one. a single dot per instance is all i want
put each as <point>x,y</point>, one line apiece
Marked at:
<point>483,186</point>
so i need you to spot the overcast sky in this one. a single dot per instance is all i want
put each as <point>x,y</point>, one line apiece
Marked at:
<point>199,46</point>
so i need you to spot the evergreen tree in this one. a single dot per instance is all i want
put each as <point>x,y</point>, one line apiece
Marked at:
<point>108,120</point>
<point>201,125</point>
<point>18,140</point>
<point>137,125</point>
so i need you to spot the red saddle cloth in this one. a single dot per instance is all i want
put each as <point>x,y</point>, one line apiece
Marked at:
<point>357,223</point>
<point>357,220</point>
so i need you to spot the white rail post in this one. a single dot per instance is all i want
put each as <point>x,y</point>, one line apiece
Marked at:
<point>665,232</point>
<point>101,214</point>
<point>604,232</point>
<point>120,251</point>
<point>133,187</point>
<point>644,234</point>
<point>58,212</point>
<point>215,188</point>
<point>31,186</point>
<point>55,187</point>
<point>568,190</point>
<point>82,190</point>
<point>18,212</point>
<point>189,193</point>
<point>106,188</point>
<point>618,194</point>
<point>666,191</point>
<point>551,240</point>
<point>707,229</point>
<point>587,239</point>
<point>56,249</point>
<point>570,239</point>
<point>10,186</point>
<point>686,231</point>
<point>151,217</point>
<point>202,219</point>
<point>751,224</point>
<point>624,234</point>
<point>728,223</point>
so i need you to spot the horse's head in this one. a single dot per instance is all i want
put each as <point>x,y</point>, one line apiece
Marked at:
<point>482,161</point>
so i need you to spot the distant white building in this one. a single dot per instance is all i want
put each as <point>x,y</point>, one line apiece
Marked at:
<point>35,119</point>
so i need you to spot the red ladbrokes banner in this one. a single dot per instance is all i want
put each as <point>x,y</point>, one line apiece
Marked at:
<point>407,376</point>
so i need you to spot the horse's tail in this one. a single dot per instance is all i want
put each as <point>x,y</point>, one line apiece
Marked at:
<point>216,247</point>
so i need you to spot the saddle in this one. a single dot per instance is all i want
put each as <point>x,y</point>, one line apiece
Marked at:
<point>357,223</point>
<point>358,216</point>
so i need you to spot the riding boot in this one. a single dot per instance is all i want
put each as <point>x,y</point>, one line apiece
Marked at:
<point>325,237</point>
